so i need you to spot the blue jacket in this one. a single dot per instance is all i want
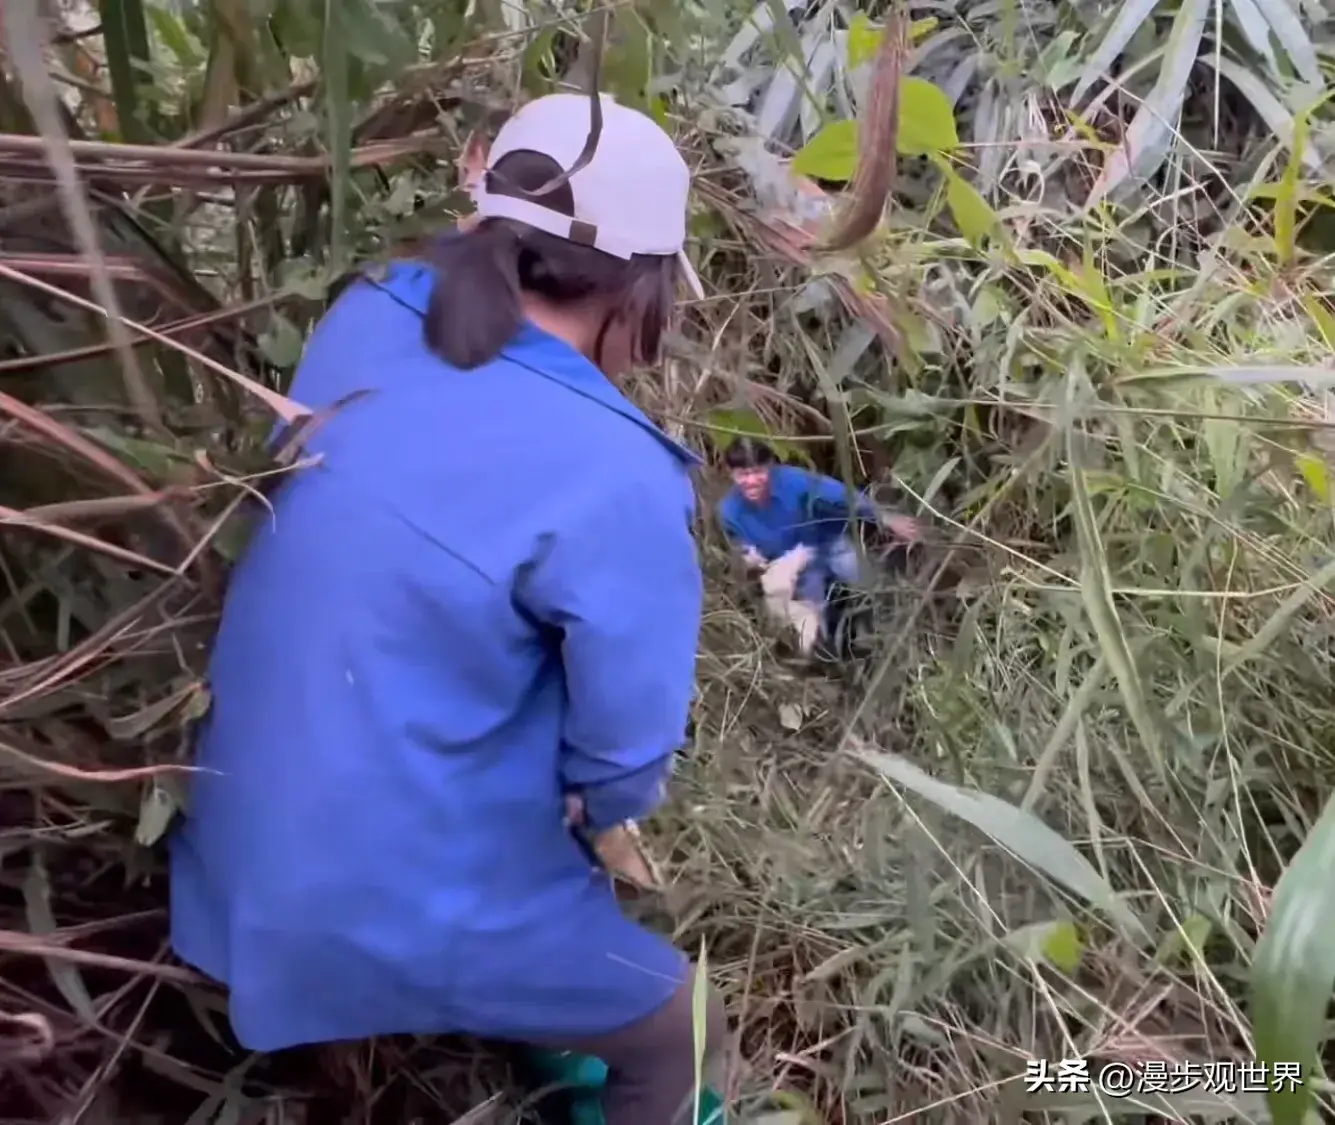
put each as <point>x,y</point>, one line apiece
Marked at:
<point>804,508</point>
<point>484,596</point>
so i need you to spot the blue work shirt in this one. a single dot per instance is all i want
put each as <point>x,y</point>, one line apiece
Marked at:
<point>803,509</point>
<point>485,595</point>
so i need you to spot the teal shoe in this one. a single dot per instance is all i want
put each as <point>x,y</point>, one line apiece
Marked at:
<point>582,1078</point>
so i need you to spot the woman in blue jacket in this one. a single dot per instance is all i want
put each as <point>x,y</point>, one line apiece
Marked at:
<point>480,606</point>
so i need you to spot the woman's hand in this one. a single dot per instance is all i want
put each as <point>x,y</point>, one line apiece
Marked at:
<point>574,817</point>
<point>618,847</point>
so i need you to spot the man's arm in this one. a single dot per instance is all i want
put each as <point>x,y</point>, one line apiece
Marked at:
<point>732,531</point>
<point>622,583</point>
<point>829,493</point>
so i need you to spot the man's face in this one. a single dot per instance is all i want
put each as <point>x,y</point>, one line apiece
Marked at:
<point>752,483</point>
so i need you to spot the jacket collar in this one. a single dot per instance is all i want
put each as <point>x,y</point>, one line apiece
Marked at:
<point>410,284</point>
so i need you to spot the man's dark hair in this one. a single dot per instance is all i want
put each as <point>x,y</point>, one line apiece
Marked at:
<point>748,453</point>
<point>475,306</point>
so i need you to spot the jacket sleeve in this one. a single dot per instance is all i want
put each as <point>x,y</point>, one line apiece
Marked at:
<point>732,530</point>
<point>826,492</point>
<point>621,581</point>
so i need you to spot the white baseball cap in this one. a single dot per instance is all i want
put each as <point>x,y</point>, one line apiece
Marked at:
<point>629,199</point>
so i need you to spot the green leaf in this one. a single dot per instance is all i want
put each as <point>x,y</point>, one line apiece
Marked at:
<point>1316,474</point>
<point>125,40</point>
<point>1286,201</point>
<point>864,40</point>
<point>297,23</point>
<point>972,213</point>
<point>373,36</point>
<point>538,63</point>
<point>172,31</point>
<point>629,62</point>
<point>864,37</point>
<point>699,1022</point>
<point>1189,939</point>
<point>926,119</point>
<point>1063,947</point>
<point>926,125</point>
<point>725,425</point>
<point>1020,832</point>
<point>1151,132</point>
<point>1294,969</point>
<point>832,154</point>
<point>1095,593</point>
<point>1058,942</point>
<point>42,921</point>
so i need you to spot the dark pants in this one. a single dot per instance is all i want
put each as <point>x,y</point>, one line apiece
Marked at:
<point>651,1064</point>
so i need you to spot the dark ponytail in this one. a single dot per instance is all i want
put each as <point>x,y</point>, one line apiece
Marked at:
<point>475,309</point>
<point>481,274</point>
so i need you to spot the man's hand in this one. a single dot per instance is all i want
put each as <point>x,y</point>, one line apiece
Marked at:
<point>780,577</point>
<point>901,526</point>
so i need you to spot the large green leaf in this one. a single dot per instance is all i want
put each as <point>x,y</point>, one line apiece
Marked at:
<point>832,154</point>
<point>926,125</point>
<point>926,119</point>
<point>1152,131</point>
<point>726,425</point>
<point>1294,970</point>
<point>1019,832</point>
<point>972,213</point>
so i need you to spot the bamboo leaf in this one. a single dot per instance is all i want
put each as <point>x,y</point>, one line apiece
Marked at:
<point>1018,831</point>
<point>1095,587</point>
<point>1130,16</point>
<point>1286,200</point>
<point>1149,136</point>
<point>372,37</point>
<point>1271,110</point>
<point>1255,28</point>
<point>1278,623</point>
<point>41,921</point>
<point>125,36</point>
<point>1294,969</point>
<point>1288,29</point>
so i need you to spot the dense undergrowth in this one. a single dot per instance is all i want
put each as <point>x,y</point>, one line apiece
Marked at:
<point>1048,819</point>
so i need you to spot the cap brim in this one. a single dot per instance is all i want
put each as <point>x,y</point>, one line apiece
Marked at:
<point>689,275</point>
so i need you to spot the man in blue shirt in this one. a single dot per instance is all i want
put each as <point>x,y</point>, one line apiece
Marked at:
<point>792,525</point>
